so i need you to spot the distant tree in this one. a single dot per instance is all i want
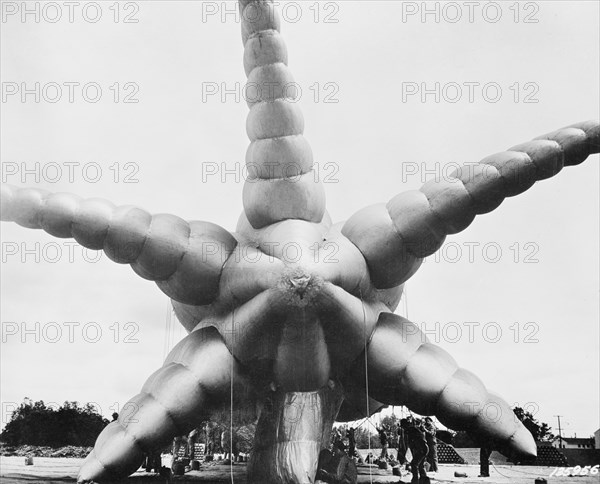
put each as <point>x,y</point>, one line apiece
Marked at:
<point>245,437</point>
<point>390,421</point>
<point>540,431</point>
<point>243,434</point>
<point>366,437</point>
<point>363,435</point>
<point>34,423</point>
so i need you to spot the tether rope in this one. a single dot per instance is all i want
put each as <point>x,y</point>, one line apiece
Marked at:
<point>362,303</point>
<point>168,324</point>
<point>515,470</point>
<point>231,400</point>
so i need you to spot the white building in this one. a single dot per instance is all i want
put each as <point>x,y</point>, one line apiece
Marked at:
<point>576,442</point>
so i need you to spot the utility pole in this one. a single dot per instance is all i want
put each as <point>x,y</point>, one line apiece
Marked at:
<point>560,444</point>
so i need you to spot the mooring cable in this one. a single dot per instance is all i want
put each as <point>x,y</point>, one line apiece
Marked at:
<point>231,399</point>
<point>362,303</point>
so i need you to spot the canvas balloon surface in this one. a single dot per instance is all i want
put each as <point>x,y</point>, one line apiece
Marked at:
<point>274,331</point>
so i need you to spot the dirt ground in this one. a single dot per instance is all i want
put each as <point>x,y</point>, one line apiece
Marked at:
<point>59,470</point>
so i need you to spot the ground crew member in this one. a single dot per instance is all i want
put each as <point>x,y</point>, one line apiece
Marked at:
<point>430,431</point>
<point>415,436</point>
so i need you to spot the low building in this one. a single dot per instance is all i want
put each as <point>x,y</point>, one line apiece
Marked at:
<point>575,442</point>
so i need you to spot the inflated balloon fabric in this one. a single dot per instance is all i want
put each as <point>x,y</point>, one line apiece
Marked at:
<point>293,313</point>
<point>282,184</point>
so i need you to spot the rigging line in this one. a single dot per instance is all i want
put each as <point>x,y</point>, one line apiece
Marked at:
<point>361,422</point>
<point>231,401</point>
<point>512,468</point>
<point>372,424</point>
<point>171,332</point>
<point>365,420</point>
<point>166,345</point>
<point>406,301</point>
<point>503,475</point>
<point>362,303</point>
<point>165,337</point>
<point>181,330</point>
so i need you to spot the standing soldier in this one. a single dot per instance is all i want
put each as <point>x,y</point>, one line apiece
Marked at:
<point>415,436</point>
<point>352,452</point>
<point>192,439</point>
<point>338,440</point>
<point>430,431</point>
<point>176,449</point>
<point>402,444</point>
<point>351,442</point>
<point>485,451</point>
<point>383,438</point>
<point>222,442</point>
<point>484,461</point>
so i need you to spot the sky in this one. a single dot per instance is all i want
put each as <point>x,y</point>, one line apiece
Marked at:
<point>140,103</point>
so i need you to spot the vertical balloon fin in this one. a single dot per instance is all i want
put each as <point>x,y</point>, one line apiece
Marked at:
<point>281,183</point>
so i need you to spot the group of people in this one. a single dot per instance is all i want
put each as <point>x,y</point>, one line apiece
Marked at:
<point>339,444</point>
<point>218,443</point>
<point>418,435</point>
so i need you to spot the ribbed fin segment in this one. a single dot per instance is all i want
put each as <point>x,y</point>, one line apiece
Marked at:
<point>281,183</point>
